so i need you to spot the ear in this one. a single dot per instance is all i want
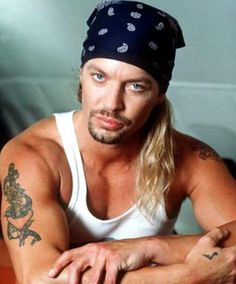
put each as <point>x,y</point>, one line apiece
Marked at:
<point>79,95</point>
<point>80,74</point>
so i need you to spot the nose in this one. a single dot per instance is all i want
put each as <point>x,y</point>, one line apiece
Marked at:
<point>114,98</point>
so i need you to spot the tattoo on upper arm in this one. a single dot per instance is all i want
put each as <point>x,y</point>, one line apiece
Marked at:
<point>19,214</point>
<point>205,151</point>
<point>210,256</point>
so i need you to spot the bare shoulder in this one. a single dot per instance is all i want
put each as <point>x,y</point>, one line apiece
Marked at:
<point>193,149</point>
<point>37,148</point>
<point>197,161</point>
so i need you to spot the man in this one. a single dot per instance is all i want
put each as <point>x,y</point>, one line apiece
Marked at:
<point>96,192</point>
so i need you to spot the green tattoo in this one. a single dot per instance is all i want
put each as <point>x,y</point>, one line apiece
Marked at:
<point>205,151</point>
<point>210,257</point>
<point>20,209</point>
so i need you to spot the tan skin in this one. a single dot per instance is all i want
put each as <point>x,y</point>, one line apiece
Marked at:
<point>45,176</point>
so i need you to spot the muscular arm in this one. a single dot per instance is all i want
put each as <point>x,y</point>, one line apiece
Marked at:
<point>171,274</point>
<point>34,224</point>
<point>213,195</point>
<point>212,191</point>
<point>206,263</point>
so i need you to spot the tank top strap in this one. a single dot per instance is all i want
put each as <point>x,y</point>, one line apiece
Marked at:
<point>65,126</point>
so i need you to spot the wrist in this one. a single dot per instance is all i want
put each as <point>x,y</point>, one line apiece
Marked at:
<point>172,249</point>
<point>159,250</point>
<point>166,254</point>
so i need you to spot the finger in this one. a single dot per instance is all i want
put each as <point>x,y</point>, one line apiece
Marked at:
<point>76,269</point>
<point>213,237</point>
<point>97,270</point>
<point>61,263</point>
<point>111,274</point>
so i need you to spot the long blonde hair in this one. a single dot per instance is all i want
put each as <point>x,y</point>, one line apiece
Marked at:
<point>156,167</point>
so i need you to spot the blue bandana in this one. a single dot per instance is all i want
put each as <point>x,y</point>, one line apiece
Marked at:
<point>135,33</point>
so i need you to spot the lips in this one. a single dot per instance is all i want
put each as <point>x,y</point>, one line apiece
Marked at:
<point>109,123</point>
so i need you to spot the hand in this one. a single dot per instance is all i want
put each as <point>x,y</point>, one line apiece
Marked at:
<point>105,259</point>
<point>211,264</point>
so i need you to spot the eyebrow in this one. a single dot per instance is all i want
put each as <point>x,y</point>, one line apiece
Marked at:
<point>141,78</point>
<point>92,66</point>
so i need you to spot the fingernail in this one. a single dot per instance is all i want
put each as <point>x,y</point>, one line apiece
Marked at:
<point>51,272</point>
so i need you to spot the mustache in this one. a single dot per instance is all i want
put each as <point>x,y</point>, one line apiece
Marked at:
<point>112,114</point>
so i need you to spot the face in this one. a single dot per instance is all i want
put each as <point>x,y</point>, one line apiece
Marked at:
<point>117,99</point>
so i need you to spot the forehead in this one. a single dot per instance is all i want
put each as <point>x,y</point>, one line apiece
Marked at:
<point>113,67</point>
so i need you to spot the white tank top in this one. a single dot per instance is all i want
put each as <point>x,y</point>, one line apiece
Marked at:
<point>83,225</point>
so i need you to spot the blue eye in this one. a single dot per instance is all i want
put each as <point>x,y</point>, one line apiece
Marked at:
<point>137,87</point>
<point>98,77</point>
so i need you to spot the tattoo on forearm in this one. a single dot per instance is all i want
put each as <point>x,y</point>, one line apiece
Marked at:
<point>19,214</point>
<point>210,256</point>
<point>205,151</point>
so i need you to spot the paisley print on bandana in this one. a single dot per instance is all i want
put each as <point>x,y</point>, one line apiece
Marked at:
<point>136,33</point>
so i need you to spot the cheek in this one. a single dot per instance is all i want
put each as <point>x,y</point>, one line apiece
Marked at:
<point>141,115</point>
<point>89,97</point>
